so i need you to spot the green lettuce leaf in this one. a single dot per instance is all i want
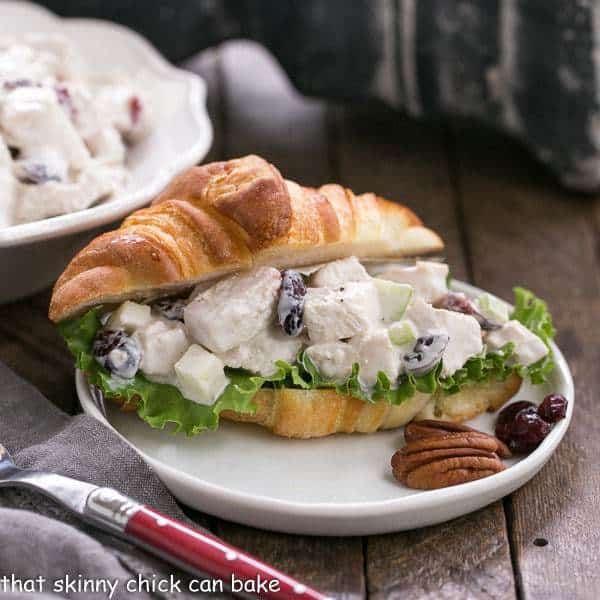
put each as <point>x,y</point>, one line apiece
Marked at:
<point>533,312</point>
<point>161,405</point>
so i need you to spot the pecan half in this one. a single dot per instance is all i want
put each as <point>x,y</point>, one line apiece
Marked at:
<point>428,428</point>
<point>440,454</point>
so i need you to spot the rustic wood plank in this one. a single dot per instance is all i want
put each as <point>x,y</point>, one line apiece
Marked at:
<point>263,115</point>
<point>469,557</point>
<point>32,347</point>
<point>524,229</point>
<point>332,565</point>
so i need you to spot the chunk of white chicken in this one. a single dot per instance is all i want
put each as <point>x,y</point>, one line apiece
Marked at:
<point>339,272</point>
<point>428,278</point>
<point>27,59</point>
<point>333,360</point>
<point>234,310</point>
<point>33,121</point>
<point>463,330</point>
<point>122,107</point>
<point>162,343</point>
<point>260,353</point>
<point>377,353</point>
<point>96,181</point>
<point>529,348</point>
<point>107,146</point>
<point>200,375</point>
<point>336,314</point>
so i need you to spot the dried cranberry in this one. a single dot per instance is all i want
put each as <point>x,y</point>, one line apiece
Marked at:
<point>506,419</point>
<point>117,352</point>
<point>553,408</point>
<point>35,174</point>
<point>528,431</point>
<point>507,414</point>
<point>503,431</point>
<point>521,427</point>
<point>290,308</point>
<point>170,308</point>
<point>135,109</point>
<point>457,302</point>
<point>64,99</point>
<point>13,84</point>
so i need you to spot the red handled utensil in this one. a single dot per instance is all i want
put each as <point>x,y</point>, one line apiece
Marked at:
<point>190,549</point>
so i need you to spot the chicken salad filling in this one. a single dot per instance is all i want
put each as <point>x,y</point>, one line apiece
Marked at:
<point>64,133</point>
<point>377,333</point>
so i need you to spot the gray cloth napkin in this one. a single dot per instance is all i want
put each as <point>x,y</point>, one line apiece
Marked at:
<point>39,539</point>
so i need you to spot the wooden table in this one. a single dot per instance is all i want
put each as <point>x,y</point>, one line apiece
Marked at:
<point>505,222</point>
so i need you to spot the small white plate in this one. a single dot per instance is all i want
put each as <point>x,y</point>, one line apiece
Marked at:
<point>338,485</point>
<point>33,254</point>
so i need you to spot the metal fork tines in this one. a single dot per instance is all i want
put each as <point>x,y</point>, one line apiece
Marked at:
<point>7,466</point>
<point>98,399</point>
<point>69,492</point>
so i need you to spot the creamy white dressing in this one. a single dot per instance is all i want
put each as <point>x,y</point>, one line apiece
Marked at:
<point>260,353</point>
<point>234,323</point>
<point>529,348</point>
<point>427,278</point>
<point>463,330</point>
<point>63,133</point>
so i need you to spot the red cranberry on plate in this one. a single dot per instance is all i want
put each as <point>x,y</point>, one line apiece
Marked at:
<point>508,413</point>
<point>553,408</point>
<point>528,431</point>
<point>506,418</point>
<point>135,110</point>
<point>522,426</point>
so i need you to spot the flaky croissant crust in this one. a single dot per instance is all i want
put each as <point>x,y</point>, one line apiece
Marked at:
<point>229,216</point>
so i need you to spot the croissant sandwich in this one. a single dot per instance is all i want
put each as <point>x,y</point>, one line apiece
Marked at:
<point>239,294</point>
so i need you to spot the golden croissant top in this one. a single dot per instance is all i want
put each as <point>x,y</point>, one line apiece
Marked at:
<point>230,216</point>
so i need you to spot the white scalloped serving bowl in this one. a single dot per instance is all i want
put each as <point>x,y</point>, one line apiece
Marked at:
<point>33,254</point>
<point>337,485</point>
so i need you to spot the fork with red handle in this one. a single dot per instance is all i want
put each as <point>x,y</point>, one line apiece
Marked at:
<point>190,549</point>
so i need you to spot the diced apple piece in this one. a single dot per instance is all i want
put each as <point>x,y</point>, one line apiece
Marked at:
<point>200,375</point>
<point>163,344</point>
<point>492,308</point>
<point>130,316</point>
<point>402,332</point>
<point>394,298</point>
